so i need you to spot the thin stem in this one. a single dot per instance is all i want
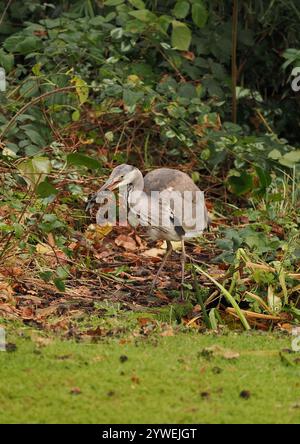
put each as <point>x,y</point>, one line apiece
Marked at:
<point>228,296</point>
<point>233,59</point>
<point>5,11</point>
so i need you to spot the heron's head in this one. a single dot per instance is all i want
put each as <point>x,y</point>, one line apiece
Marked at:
<point>120,176</point>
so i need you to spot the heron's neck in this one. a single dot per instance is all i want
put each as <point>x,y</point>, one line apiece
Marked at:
<point>136,187</point>
<point>138,182</point>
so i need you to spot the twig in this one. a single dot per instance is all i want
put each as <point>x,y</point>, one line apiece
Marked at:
<point>5,11</point>
<point>252,315</point>
<point>264,121</point>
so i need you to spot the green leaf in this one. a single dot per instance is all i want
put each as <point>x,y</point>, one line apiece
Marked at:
<point>76,115</point>
<point>82,89</point>
<point>24,45</point>
<point>36,69</point>
<point>6,60</point>
<point>241,184</point>
<point>62,272</point>
<point>50,222</point>
<point>35,137</point>
<point>82,160</point>
<point>42,164</point>
<point>59,284</point>
<point>46,189</point>
<point>181,9</point>
<point>199,14</point>
<point>144,15</point>
<point>181,36</point>
<point>46,275</point>
<point>290,159</point>
<point>264,177</point>
<point>138,4</point>
<point>30,44</point>
<point>113,2</point>
<point>274,154</point>
<point>225,244</point>
<point>31,150</point>
<point>29,88</point>
<point>18,229</point>
<point>35,170</point>
<point>117,33</point>
<point>187,90</point>
<point>131,98</point>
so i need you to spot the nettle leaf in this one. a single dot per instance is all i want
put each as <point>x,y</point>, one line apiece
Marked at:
<point>78,159</point>
<point>82,89</point>
<point>181,9</point>
<point>24,45</point>
<point>46,189</point>
<point>35,137</point>
<point>187,90</point>
<point>29,88</point>
<point>225,244</point>
<point>11,43</point>
<point>181,36</point>
<point>241,184</point>
<point>199,13</point>
<point>258,241</point>
<point>35,170</point>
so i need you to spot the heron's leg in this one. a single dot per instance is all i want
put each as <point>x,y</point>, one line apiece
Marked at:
<point>168,252</point>
<point>182,266</point>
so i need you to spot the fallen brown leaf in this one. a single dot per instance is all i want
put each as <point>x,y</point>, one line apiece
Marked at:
<point>128,243</point>
<point>27,313</point>
<point>75,391</point>
<point>154,252</point>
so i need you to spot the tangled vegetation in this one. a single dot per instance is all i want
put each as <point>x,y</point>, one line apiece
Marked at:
<point>201,86</point>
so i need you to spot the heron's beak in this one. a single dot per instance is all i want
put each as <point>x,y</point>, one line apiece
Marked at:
<point>110,185</point>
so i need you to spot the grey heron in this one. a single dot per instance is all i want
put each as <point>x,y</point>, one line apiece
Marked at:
<point>166,201</point>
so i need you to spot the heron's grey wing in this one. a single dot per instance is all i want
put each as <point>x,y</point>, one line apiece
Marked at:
<point>189,209</point>
<point>175,185</point>
<point>157,215</point>
<point>164,178</point>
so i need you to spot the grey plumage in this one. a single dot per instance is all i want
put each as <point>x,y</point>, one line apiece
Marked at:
<point>179,211</point>
<point>168,181</point>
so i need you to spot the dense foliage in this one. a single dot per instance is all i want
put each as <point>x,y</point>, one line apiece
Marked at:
<point>94,83</point>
